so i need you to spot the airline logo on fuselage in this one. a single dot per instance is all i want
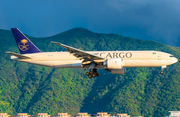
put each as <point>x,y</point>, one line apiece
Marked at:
<point>23,45</point>
<point>115,55</point>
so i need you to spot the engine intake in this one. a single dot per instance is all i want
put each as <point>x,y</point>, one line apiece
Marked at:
<point>114,63</point>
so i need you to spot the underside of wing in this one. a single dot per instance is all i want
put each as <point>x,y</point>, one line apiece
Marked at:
<point>20,56</point>
<point>81,54</point>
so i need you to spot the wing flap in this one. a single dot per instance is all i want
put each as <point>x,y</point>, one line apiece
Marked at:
<point>20,56</point>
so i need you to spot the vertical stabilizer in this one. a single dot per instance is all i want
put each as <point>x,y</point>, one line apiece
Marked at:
<point>24,44</point>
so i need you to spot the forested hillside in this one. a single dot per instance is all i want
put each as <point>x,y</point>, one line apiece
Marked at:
<point>34,89</point>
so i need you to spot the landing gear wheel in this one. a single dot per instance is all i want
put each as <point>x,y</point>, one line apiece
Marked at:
<point>91,72</point>
<point>90,76</point>
<point>94,75</point>
<point>161,72</point>
<point>87,73</point>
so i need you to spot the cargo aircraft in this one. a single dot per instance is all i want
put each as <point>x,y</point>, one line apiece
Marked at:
<point>113,61</point>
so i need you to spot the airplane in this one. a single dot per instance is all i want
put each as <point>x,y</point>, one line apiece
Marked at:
<point>112,61</point>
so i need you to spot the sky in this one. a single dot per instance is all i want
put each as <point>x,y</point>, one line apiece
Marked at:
<point>157,20</point>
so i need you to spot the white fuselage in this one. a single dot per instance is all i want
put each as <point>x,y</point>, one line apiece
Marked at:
<point>130,58</point>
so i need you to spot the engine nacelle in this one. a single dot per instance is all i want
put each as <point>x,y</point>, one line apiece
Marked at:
<point>114,63</point>
<point>118,71</point>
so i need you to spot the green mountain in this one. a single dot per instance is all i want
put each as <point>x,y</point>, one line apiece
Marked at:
<point>34,89</point>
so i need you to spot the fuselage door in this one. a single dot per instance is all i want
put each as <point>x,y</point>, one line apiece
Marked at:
<point>159,56</point>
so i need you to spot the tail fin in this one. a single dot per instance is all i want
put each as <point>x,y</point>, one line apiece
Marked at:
<point>24,44</point>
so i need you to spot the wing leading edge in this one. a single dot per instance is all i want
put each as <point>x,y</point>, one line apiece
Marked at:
<point>81,54</point>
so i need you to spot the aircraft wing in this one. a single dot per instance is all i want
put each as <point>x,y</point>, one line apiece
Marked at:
<point>20,56</point>
<point>79,53</point>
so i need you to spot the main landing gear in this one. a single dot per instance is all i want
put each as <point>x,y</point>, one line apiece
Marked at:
<point>162,68</point>
<point>92,73</point>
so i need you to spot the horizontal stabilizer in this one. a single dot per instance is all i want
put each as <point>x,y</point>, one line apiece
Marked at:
<point>20,56</point>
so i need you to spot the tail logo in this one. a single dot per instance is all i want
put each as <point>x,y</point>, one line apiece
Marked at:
<point>23,45</point>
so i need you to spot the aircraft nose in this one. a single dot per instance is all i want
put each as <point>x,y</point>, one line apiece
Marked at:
<point>175,60</point>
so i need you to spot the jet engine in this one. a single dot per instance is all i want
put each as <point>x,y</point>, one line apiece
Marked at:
<point>114,63</point>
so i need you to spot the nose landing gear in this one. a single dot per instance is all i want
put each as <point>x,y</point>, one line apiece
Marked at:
<point>162,68</point>
<point>92,73</point>
<point>161,72</point>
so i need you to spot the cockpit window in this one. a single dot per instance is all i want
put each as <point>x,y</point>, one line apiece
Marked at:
<point>171,56</point>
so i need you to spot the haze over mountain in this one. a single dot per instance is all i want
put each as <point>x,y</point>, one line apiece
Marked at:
<point>34,89</point>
